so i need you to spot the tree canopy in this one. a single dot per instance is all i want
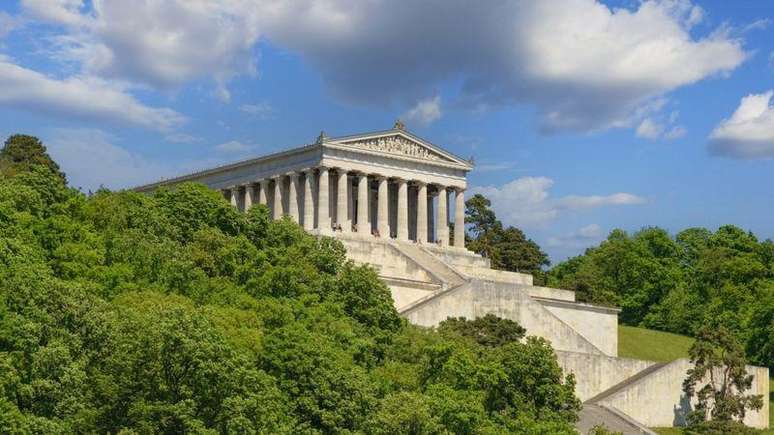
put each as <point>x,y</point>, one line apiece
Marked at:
<point>506,248</point>
<point>682,283</point>
<point>174,313</point>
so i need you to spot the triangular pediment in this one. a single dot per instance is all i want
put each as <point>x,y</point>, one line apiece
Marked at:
<point>399,144</point>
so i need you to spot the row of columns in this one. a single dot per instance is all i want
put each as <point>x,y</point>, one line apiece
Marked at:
<point>319,208</point>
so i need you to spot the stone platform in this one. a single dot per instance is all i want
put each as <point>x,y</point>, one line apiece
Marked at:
<point>430,283</point>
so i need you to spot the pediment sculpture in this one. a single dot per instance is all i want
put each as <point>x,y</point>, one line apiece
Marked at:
<point>397,145</point>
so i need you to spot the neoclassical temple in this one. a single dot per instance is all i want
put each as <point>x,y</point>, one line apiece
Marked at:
<point>386,196</point>
<point>387,184</point>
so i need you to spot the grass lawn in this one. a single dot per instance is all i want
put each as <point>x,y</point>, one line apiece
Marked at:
<point>651,345</point>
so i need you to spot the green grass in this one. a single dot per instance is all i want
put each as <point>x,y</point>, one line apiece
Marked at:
<point>640,343</point>
<point>667,430</point>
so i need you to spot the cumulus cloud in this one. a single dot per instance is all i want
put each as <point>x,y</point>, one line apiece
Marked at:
<point>749,133</point>
<point>425,112</point>
<point>161,43</point>
<point>584,65</point>
<point>81,96</point>
<point>526,201</point>
<point>584,236</point>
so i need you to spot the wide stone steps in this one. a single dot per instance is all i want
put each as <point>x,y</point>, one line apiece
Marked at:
<point>626,382</point>
<point>449,277</point>
<point>596,415</point>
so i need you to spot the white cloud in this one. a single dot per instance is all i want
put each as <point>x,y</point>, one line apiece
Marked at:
<point>660,126</point>
<point>649,129</point>
<point>81,96</point>
<point>262,110</point>
<point>235,147</point>
<point>584,236</point>
<point>425,112</point>
<point>586,67</point>
<point>583,65</point>
<point>577,202</point>
<point>749,133</point>
<point>760,24</point>
<point>161,43</point>
<point>526,201</point>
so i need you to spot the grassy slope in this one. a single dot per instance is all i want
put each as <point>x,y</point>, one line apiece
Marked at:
<point>662,346</point>
<point>651,345</point>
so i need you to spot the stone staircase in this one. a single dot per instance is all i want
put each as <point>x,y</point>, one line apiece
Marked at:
<point>596,413</point>
<point>612,419</point>
<point>448,277</point>
<point>626,383</point>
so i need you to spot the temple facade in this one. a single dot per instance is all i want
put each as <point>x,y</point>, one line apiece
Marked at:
<point>391,197</point>
<point>389,184</point>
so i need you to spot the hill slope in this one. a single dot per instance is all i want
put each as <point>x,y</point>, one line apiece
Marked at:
<point>651,345</point>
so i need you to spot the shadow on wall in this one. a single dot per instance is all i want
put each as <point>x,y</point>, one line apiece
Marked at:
<point>682,411</point>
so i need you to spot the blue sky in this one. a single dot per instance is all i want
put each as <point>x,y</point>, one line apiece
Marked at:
<point>582,116</point>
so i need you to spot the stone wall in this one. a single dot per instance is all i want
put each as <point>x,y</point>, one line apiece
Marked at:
<point>657,400</point>
<point>596,373</point>
<point>479,298</point>
<point>597,324</point>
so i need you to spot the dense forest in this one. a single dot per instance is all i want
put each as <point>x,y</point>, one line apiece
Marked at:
<point>174,313</point>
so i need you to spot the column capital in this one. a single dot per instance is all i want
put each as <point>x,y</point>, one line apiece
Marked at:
<point>340,169</point>
<point>419,182</point>
<point>264,181</point>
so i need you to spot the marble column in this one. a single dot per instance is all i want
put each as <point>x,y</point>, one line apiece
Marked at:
<point>342,201</point>
<point>459,218</point>
<point>263,196</point>
<point>308,203</point>
<point>293,197</point>
<point>422,212</point>
<point>403,218</point>
<point>323,215</point>
<point>278,211</point>
<point>363,226</point>
<point>235,197</point>
<point>382,220</point>
<point>442,225</point>
<point>249,192</point>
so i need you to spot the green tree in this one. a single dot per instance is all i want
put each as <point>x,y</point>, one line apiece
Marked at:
<point>506,248</point>
<point>488,331</point>
<point>21,152</point>
<point>719,362</point>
